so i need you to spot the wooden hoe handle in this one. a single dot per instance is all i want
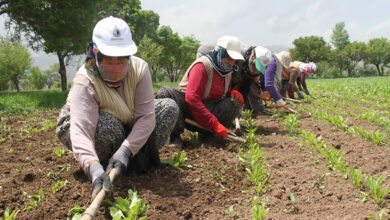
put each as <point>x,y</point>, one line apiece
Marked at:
<point>230,136</point>
<point>90,212</point>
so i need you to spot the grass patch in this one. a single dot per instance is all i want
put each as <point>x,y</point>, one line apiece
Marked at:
<point>28,101</point>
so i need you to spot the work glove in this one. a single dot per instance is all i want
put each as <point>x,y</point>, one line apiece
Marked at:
<point>100,179</point>
<point>266,96</point>
<point>281,103</point>
<point>220,130</point>
<point>307,92</point>
<point>238,95</point>
<point>300,95</point>
<point>119,160</point>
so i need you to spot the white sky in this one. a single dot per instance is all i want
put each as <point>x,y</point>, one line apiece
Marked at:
<point>273,23</point>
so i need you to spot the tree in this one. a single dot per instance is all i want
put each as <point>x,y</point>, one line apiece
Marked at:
<point>354,52</point>
<point>340,36</point>
<point>56,26</point>
<point>379,53</point>
<point>310,48</point>
<point>171,43</point>
<point>188,49</point>
<point>15,61</point>
<point>37,79</point>
<point>150,52</point>
<point>52,74</point>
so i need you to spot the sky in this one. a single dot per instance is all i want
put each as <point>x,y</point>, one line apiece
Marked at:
<point>273,24</point>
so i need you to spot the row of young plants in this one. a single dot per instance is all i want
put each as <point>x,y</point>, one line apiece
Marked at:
<point>338,121</point>
<point>256,167</point>
<point>370,115</point>
<point>367,184</point>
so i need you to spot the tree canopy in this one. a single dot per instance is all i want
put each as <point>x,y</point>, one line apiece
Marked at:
<point>310,48</point>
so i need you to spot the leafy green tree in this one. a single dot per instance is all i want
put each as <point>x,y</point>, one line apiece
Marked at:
<point>56,26</point>
<point>15,61</point>
<point>37,79</point>
<point>379,53</point>
<point>310,48</point>
<point>150,52</point>
<point>52,74</point>
<point>340,36</point>
<point>354,52</point>
<point>171,43</point>
<point>188,49</point>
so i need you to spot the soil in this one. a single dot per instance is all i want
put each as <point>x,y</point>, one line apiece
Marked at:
<point>213,186</point>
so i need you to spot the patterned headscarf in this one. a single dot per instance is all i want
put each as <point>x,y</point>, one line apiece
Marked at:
<point>216,57</point>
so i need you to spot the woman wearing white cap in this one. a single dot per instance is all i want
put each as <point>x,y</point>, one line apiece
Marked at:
<point>204,93</point>
<point>111,115</point>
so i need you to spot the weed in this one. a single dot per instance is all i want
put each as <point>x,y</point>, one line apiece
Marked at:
<point>75,212</point>
<point>35,200</point>
<point>231,210</point>
<point>178,160</point>
<point>10,216</point>
<point>59,151</point>
<point>11,150</point>
<point>54,186</point>
<point>293,208</point>
<point>129,208</point>
<point>321,178</point>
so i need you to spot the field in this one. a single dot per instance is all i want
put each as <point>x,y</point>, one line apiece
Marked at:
<point>328,161</point>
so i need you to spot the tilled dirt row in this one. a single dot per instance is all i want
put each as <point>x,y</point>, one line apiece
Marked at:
<point>296,170</point>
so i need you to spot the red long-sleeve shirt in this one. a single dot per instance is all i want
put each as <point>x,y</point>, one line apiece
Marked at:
<point>197,78</point>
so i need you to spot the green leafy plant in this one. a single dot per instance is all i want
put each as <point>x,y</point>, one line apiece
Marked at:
<point>293,208</point>
<point>54,186</point>
<point>10,216</point>
<point>75,213</point>
<point>321,178</point>
<point>377,193</point>
<point>381,215</point>
<point>291,122</point>
<point>129,208</point>
<point>35,200</point>
<point>178,160</point>
<point>59,151</point>
<point>258,211</point>
<point>356,177</point>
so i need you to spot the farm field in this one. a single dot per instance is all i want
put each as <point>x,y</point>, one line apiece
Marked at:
<point>328,161</point>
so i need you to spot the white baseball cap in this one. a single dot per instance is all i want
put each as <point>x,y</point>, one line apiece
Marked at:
<point>232,46</point>
<point>263,55</point>
<point>112,37</point>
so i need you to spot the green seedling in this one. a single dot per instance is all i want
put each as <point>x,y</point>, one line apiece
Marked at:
<point>194,138</point>
<point>293,208</point>
<point>129,208</point>
<point>231,210</point>
<point>75,213</point>
<point>356,177</point>
<point>35,200</point>
<point>19,167</point>
<point>258,211</point>
<point>377,193</point>
<point>11,150</point>
<point>321,178</point>
<point>291,122</point>
<point>381,215</point>
<point>178,160</point>
<point>55,186</point>
<point>59,151</point>
<point>10,216</point>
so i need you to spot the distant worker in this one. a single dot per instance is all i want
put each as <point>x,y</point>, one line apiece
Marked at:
<point>204,93</point>
<point>303,70</point>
